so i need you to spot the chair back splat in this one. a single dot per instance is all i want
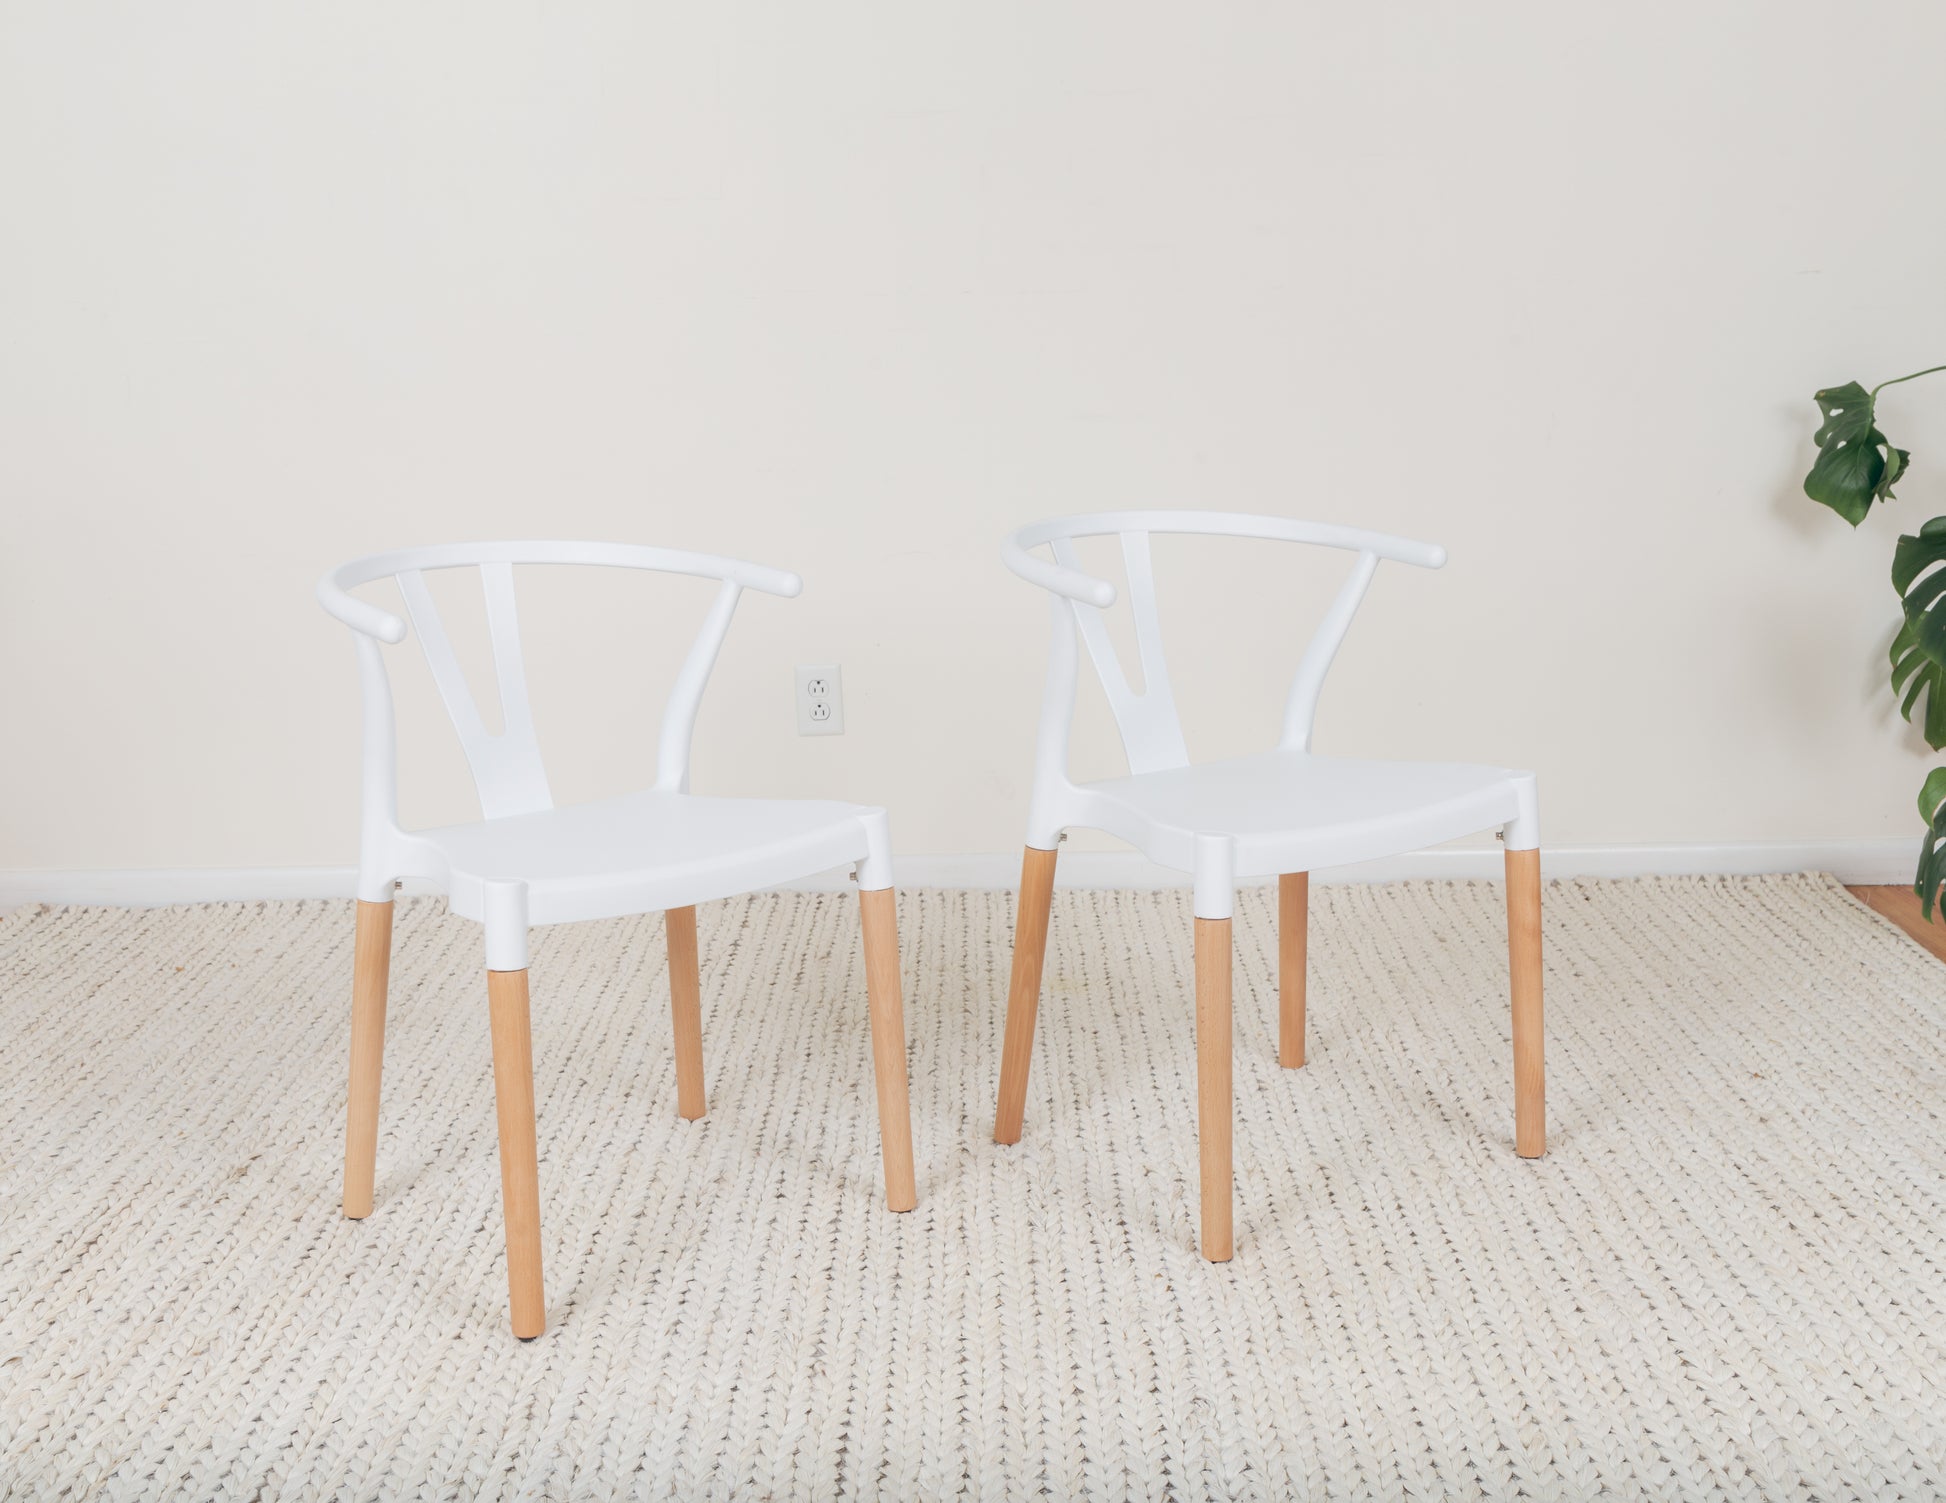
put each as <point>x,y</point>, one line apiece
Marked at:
<point>506,768</point>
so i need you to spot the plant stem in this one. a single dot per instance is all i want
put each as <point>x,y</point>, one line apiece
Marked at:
<point>1929,370</point>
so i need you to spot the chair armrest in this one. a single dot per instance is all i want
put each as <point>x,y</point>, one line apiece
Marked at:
<point>1050,576</point>
<point>359,615</point>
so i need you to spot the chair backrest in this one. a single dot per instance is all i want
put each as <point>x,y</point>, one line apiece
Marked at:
<point>1150,728</point>
<point>506,765</point>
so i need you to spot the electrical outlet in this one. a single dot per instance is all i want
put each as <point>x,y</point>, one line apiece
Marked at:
<point>820,700</point>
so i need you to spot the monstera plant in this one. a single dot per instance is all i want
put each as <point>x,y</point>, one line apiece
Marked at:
<point>1857,465</point>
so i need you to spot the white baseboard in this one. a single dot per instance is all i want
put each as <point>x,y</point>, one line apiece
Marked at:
<point>153,887</point>
<point>1856,861</point>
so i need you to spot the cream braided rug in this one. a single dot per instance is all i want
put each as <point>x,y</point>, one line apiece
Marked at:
<point>1727,1280</point>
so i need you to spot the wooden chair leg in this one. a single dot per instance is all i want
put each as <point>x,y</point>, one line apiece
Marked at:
<point>1024,992</point>
<point>1213,1104</point>
<point>520,1190</point>
<point>878,918</point>
<point>1293,946</point>
<point>686,1009</point>
<point>371,970</point>
<point>1524,966</point>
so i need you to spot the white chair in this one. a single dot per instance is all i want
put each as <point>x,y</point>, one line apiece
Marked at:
<point>1282,812</point>
<point>527,862</point>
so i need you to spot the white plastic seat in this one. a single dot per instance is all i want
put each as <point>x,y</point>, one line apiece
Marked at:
<point>1282,812</point>
<point>1290,811</point>
<point>642,852</point>
<point>529,862</point>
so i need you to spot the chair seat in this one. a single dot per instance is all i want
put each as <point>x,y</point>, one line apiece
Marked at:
<point>1294,811</point>
<point>641,852</point>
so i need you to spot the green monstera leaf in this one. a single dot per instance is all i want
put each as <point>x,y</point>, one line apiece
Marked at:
<point>1919,650</point>
<point>1856,464</point>
<point>1932,860</point>
<point>1914,672</point>
<point>1922,588</point>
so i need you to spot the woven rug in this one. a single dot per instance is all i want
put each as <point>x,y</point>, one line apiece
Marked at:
<point>1726,1280</point>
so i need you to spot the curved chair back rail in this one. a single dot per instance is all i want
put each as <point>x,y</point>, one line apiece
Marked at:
<point>370,619</point>
<point>1151,729</point>
<point>1077,585</point>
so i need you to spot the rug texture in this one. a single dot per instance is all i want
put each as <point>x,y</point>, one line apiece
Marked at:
<point>1727,1279</point>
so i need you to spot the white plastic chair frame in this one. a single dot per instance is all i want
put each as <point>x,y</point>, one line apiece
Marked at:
<point>774,841</point>
<point>1187,818</point>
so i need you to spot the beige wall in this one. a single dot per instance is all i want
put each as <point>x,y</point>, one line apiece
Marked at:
<point>854,289</point>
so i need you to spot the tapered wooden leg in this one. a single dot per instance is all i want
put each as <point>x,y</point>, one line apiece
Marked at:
<point>1213,1083</point>
<point>371,970</point>
<point>1524,964</point>
<point>520,1188</point>
<point>1024,991</point>
<point>877,916</point>
<point>686,1009</point>
<point>1293,945</point>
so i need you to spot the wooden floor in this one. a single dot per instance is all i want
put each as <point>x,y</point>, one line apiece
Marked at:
<point>1901,906</point>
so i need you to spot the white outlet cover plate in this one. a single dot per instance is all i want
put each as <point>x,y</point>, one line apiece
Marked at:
<point>820,700</point>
